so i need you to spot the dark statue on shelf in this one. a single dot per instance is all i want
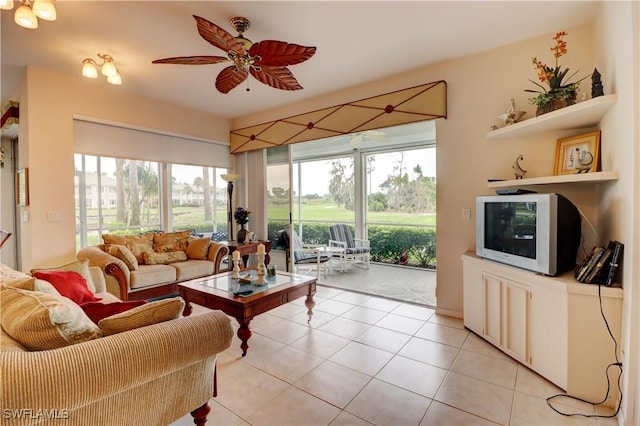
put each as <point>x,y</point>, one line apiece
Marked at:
<point>596,84</point>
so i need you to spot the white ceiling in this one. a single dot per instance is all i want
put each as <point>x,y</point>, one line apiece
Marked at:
<point>357,42</point>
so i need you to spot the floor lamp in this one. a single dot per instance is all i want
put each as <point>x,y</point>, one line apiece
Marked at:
<point>230,178</point>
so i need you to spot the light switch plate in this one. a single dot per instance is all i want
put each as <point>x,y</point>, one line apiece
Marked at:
<point>54,216</point>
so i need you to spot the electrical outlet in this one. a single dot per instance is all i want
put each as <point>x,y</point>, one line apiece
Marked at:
<point>466,214</point>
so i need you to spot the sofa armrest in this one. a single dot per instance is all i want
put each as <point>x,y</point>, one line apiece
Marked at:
<point>116,273</point>
<point>98,279</point>
<point>217,252</point>
<point>76,375</point>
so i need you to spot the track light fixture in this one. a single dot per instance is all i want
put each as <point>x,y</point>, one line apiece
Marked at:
<point>107,68</point>
<point>28,13</point>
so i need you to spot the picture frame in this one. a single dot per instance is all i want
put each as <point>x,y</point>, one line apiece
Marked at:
<point>22,187</point>
<point>578,154</point>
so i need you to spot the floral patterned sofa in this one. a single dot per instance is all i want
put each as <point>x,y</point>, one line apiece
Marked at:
<point>150,265</point>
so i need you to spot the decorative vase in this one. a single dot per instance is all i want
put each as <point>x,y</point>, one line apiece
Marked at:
<point>242,234</point>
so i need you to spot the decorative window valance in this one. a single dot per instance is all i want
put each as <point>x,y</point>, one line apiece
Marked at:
<point>9,118</point>
<point>419,103</point>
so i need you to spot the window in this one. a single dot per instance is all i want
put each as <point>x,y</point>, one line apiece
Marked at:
<point>115,195</point>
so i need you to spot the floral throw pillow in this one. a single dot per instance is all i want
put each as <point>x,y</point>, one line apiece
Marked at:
<point>171,241</point>
<point>153,258</point>
<point>136,244</point>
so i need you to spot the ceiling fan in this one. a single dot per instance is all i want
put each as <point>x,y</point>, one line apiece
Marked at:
<point>373,135</point>
<point>266,60</point>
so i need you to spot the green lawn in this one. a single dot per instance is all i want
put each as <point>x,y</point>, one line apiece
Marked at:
<point>327,211</point>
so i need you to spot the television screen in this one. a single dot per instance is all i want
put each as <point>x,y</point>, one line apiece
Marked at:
<point>510,227</point>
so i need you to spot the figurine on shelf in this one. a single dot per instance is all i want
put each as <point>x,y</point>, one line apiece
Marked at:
<point>512,116</point>
<point>596,84</point>
<point>517,169</point>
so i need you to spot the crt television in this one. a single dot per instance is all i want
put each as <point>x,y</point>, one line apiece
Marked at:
<point>537,232</point>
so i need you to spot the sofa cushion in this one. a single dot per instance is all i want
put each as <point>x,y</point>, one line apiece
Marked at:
<point>41,321</point>
<point>147,314</point>
<point>79,266</point>
<point>198,248</point>
<point>163,258</point>
<point>69,284</point>
<point>122,253</point>
<point>192,268</point>
<point>137,244</point>
<point>151,275</point>
<point>7,344</point>
<point>7,273</point>
<point>30,283</point>
<point>171,241</point>
<point>22,282</point>
<point>99,310</point>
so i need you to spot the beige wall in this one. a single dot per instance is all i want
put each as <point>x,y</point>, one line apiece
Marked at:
<point>618,47</point>
<point>47,107</point>
<point>479,88</point>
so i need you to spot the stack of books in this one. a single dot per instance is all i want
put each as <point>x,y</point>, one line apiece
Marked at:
<point>601,265</point>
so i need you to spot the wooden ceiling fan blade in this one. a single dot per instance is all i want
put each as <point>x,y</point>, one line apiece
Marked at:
<point>277,77</point>
<point>217,36</point>
<point>275,53</point>
<point>192,60</point>
<point>229,78</point>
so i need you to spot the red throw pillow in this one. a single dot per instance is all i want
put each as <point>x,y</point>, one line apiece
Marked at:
<point>69,284</point>
<point>99,310</point>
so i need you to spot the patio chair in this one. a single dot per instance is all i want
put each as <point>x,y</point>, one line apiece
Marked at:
<point>303,254</point>
<point>354,250</point>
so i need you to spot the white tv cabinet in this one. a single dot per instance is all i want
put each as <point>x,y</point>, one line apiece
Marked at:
<point>553,325</point>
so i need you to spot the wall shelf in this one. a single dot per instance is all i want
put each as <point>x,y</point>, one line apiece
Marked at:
<point>581,115</point>
<point>594,177</point>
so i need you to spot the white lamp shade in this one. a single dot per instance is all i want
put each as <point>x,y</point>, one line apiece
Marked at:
<point>109,69</point>
<point>6,4</point>
<point>44,9</point>
<point>115,79</point>
<point>25,18</point>
<point>89,69</point>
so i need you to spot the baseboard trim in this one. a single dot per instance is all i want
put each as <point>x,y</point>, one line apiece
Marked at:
<point>449,313</point>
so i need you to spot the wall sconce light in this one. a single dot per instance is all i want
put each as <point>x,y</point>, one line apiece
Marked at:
<point>230,178</point>
<point>107,68</point>
<point>28,13</point>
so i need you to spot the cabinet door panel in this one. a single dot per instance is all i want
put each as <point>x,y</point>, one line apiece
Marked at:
<point>492,306</point>
<point>516,324</point>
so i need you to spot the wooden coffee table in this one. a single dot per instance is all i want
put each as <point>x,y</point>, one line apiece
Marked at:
<point>217,292</point>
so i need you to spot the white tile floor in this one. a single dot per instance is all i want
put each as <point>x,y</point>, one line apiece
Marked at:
<point>367,360</point>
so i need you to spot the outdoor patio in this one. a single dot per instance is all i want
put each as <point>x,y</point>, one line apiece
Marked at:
<point>414,285</point>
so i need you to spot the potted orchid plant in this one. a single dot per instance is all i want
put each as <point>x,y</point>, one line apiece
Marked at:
<point>560,92</point>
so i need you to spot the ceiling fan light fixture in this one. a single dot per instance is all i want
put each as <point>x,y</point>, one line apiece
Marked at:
<point>25,17</point>
<point>266,61</point>
<point>6,4</point>
<point>44,9</point>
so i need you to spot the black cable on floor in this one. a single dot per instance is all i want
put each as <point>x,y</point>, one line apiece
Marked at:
<point>606,396</point>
